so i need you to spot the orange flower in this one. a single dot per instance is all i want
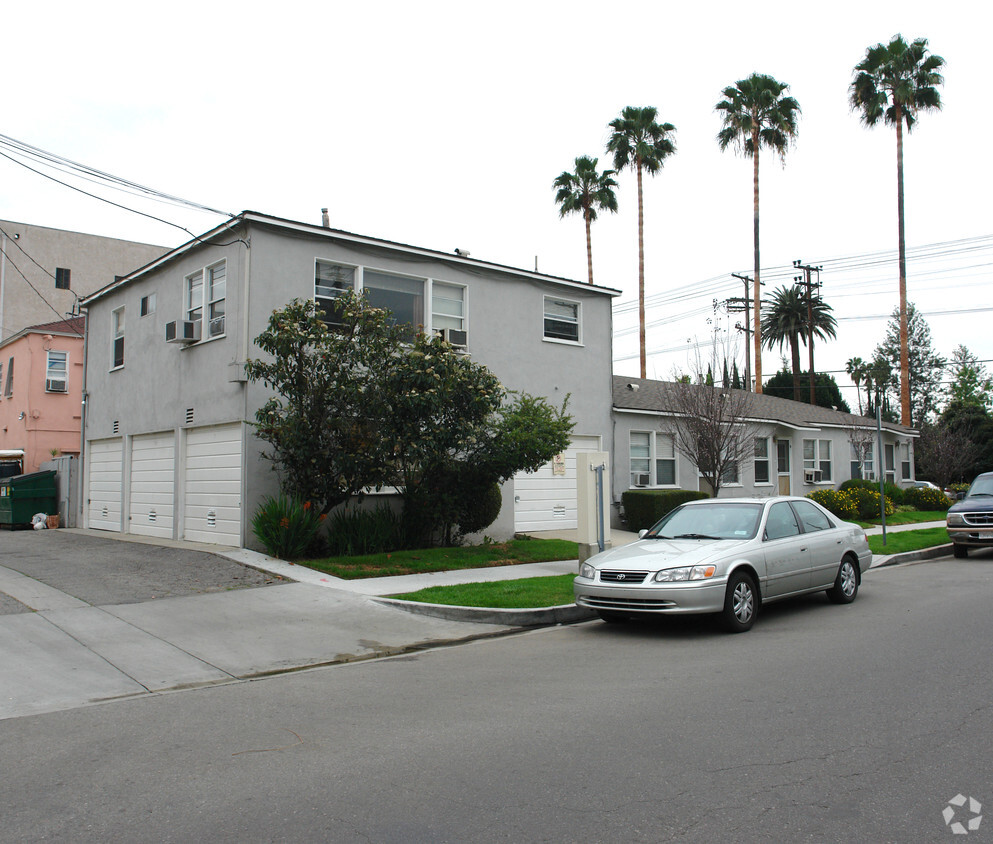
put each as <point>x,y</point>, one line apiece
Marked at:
<point>284,522</point>
<point>306,505</point>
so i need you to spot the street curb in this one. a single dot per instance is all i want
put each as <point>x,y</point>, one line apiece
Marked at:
<point>543,617</point>
<point>915,556</point>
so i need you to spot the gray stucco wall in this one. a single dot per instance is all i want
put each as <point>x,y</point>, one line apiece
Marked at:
<point>161,382</point>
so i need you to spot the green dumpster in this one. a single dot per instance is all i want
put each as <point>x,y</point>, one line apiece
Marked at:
<point>24,495</point>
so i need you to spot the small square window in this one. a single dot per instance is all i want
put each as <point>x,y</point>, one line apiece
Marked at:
<point>147,305</point>
<point>561,320</point>
<point>62,278</point>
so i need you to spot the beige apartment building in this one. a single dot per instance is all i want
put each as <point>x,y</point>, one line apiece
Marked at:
<point>44,271</point>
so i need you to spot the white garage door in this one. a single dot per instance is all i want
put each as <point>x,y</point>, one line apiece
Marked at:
<point>106,478</point>
<point>153,469</point>
<point>212,512</point>
<point>546,499</point>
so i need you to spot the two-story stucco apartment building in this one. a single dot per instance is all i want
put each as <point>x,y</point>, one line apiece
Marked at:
<point>169,448</point>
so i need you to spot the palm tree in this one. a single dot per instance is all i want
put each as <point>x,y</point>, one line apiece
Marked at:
<point>586,191</point>
<point>893,83</point>
<point>639,141</point>
<point>857,370</point>
<point>786,321</point>
<point>756,113</point>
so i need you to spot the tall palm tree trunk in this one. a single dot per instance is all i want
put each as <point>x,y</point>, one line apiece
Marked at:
<point>641,277</point>
<point>904,338</point>
<point>589,246</point>
<point>758,283</point>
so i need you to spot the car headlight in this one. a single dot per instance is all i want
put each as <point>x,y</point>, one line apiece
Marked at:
<point>685,573</point>
<point>587,571</point>
<point>955,519</point>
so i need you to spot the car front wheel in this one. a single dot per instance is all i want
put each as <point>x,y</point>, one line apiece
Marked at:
<point>741,604</point>
<point>846,584</point>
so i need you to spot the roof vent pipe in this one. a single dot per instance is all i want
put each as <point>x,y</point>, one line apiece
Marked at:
<point>325,219</point>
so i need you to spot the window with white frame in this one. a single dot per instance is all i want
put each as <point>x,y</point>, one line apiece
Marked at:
<point>652,459</point>
<point>561,319</point>
<point>890,468</point>
<point>117,339</point>
<point>330,281</point>
<point>817,461</point>
<point>729,474</point>
<point>761,460</point>
<point>447,306</point>
<point>402,296</point>
<point>56,372</point>
<point>863,461</point>
<point>147,305</point>
<point>206,291</point>
<point>905,461</point>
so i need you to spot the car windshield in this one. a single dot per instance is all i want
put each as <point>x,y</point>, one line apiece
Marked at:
<point>983,485</point>
<point>709,521</point>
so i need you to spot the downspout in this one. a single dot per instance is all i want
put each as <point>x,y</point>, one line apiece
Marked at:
<point>3,277</point>
<point>81,509</point>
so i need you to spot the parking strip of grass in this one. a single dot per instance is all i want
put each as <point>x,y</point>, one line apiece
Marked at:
<point>899,542</point>
<point>908,517</point>
<point>511,553</point>
<point>526,593</point>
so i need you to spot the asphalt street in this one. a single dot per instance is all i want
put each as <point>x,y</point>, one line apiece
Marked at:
<point>824,723</point>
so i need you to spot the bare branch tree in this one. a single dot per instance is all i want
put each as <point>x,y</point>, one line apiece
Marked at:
<point>862,439</point>
<point>710,427</point>
<point>944,454</point>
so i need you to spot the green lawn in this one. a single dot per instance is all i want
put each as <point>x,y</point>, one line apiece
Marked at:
<point>908,540</point>
<point>910,517</point>
<point>446,559</point>
<point>528,593</point>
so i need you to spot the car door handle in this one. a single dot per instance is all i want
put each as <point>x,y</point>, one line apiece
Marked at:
<point>803,549</point>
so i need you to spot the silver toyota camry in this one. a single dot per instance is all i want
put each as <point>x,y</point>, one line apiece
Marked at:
<point>727,556</point>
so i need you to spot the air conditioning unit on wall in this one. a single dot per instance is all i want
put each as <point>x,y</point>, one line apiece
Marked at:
<point>812,476</point>
<point>55,386</point>
<point>458,338</point>
<point>184,331</point>
<point>642,480</point>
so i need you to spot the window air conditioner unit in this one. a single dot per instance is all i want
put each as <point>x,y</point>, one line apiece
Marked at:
<point>458,338</point>
<point>642,480</point>
<point>185,331</point>
<point>812,476</point>
<point>55,386</point>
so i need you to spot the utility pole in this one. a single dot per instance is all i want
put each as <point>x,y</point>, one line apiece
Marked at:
<point>811,287</point>
<point>735,304</point>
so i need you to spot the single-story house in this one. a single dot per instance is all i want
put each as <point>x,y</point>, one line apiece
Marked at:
<point>795,447</point>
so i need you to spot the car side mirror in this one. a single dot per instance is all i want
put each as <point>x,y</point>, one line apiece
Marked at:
<point>641,533</point>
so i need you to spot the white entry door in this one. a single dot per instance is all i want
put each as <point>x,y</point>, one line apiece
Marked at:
<point>212,509</point>
<point>106,461</point>
<point>153,477</point>
<point>546,499</point>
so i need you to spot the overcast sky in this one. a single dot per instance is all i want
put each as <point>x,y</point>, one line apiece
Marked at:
<point>444,124</point>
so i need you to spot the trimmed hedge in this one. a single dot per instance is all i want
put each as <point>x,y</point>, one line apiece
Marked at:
<point>894,493</point>
<point>644,507</point>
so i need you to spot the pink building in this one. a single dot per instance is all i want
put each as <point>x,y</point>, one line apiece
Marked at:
<point>41,391</point>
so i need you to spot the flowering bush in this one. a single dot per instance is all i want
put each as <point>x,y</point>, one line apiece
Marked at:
<point>926,498</point>
<point>286,527</point>
<point>867,503</point>
<point>841,503</point>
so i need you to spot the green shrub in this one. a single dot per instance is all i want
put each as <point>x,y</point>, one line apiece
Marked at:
<point>867,503</point>
<point>925,498</point>
<point>644,507</point>
<point>287,527</point>
<point>842,503</point>
<point>352,532</point>
<point>480,509</point>
<point>894,493</point>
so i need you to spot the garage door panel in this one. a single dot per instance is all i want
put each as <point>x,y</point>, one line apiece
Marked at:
<point>106,459</point>
<point>545,500</point>
<point>153,485</point>
<point>212,510</point>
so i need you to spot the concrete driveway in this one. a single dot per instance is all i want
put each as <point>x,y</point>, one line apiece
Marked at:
<point>85,619</point>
